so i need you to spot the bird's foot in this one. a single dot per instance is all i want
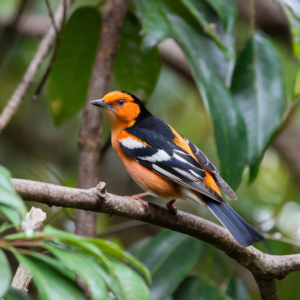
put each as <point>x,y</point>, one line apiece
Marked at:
<point>172,208</point>
<point>138,198</point>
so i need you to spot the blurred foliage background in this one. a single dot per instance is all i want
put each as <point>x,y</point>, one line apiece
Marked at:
<point>33,147</point>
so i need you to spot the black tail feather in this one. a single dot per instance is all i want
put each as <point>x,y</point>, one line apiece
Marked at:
<point>243,233</point>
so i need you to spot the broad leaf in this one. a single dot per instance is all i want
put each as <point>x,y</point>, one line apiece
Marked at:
<point>135,71</point>
<point>194,288</point>
<point>205,16</point>
<point>14,294</point>
<point>297,85</point>
<point>226,10</point>
<point>9,198</point>
<point>258,88</point>
<point>78,242</point>
<point>211,69</point>
<point>139,246</point>
<point>237,290</point>
<point>169,256</point>
<point>132,285</point>
<point>5,274</point>
<point>292,12</point>
<point>115,252</point>
<point>81,266</point>
<point>50,279</point>
<point>4,226</point>
<point>70,76</point>
<point>11,214</point>
<point>155,24</point>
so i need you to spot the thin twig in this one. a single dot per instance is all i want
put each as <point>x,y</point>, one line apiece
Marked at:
<point>52,18</point>
<point>16,99</point>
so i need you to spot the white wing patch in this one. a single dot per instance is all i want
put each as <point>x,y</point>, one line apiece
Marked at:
<point>131,143</point>
<point>160,155</point>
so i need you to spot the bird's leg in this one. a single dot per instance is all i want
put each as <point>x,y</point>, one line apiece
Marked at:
<point>171,207</point>
<point>139,196</point>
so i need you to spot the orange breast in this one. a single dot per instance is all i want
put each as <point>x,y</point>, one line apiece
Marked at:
<point>146,179</point>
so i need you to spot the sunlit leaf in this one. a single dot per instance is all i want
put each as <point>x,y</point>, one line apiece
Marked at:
<point>115,252</point>
<point>169,256</point>
<point>70,76</point>
<point>81,266</point>
<point>136,72</point>
<point>155,24</point>
<point>258,88</point>
<point>5,274</point>
<point>50,278</point>
<point>9,198</point>
<point>297,86</point>
<point>132,285</point>
<point>211,69</point>
<point>14,294</point>
<point>194,288</point>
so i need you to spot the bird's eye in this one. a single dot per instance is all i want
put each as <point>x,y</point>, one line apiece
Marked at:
<point>121,102</point>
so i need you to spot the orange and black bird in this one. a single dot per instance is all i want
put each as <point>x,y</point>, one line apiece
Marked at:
<point>165,164</point>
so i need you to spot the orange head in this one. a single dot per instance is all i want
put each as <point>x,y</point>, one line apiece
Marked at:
<point>121,108</point>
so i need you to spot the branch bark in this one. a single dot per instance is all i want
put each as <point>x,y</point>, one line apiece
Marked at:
<point>16,98</point>
<point>89,140</point>
<point>265,268</point>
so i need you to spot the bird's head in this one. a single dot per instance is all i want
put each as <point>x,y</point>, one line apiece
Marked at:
<point>121,108</point>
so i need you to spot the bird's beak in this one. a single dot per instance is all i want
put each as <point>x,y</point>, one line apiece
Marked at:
<point>101,103</point>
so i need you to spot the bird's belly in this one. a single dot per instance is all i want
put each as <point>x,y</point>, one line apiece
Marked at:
<point>146,179</point>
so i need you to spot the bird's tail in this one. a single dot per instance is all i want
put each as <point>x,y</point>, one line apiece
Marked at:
<point>243,233</point>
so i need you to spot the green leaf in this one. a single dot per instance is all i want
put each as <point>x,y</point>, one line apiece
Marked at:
<point>226,10</point>
<point>155,24</point>
<point>258,88</point>
<point>169,256</point>
<point>132,285</point>
<point>297,85</point>
<point>50,278</point>
<point>70,76</point>
<point>194,288</point>
<point>206,17</point>
<point>293,16</point>
<point>139,246</point>
<point>11,214</point>
<point>115,252</point>
<point>77,242</point>
<point>14,294</point>
<point>5,274</point>
<point>9,197</point>
<point>80,265</point>
<point>237,290</point>
<point>4,225</point>
<point>135,71</point>
<point>211,69</point>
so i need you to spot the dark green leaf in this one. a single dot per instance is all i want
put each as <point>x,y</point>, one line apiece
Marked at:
<point>50,278</point>
<point>211,69</point>
<point>226,10</point>
<point>194,288</point>
<point>237,290</point>
<point>205,17</point>
<point>77,242</point>
<point>14,294</point>
<point>258,88</point>
<point>5,274</point>
<point>80,265</point>
<point>136,72</point>
<point>132,285</point>
<point>169,256</point>
<point>70,76</point>
<point>156,26</point>
<point>115,252</point>
<point>8,195</point>
<point>139,246</point>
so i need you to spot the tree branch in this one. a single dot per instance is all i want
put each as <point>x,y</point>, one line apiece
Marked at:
<point>16,99</point>
<point>90,135</point>
<point>265,268</point>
